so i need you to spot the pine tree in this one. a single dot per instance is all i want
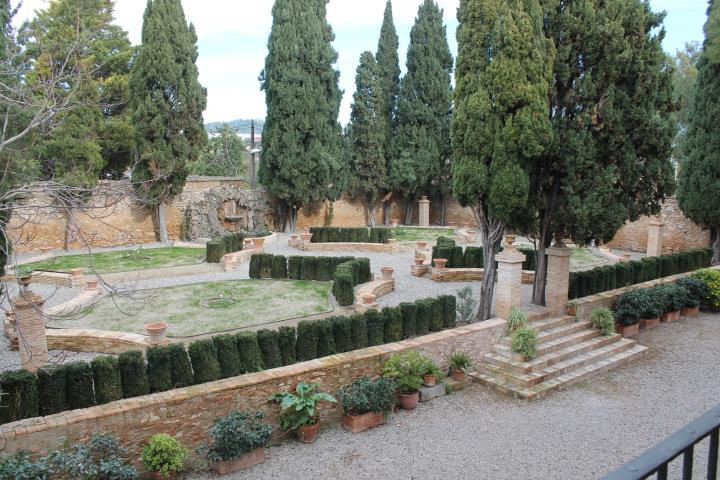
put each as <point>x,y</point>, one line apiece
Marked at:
<point>302,159</point>
<point>167,102</point>
<point>700,170</point>
<point>366,133</point>
<point>501,126</point>
<point>424,110</point>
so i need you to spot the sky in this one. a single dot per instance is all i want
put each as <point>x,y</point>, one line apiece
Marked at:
<point>232,41</point>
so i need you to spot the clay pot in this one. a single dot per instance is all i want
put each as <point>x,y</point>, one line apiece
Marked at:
<point>421,244</point>
<point>91,285</point>
<point>368,298</point>
<point>458,375</point>
<point>673,316</point>
<point>419,261</point>
<point>689,311</point>
<point>308,433</point>
<point>429,380</point>
<point>248,244</point>
<point>629,331</point>
<point>248,460</point>
<point>440,263</point>
<point>394,222</point>
<point>387,273</point>
<point>76,272</point>
<point>258,242</point>
<point>294,236</point>
<point>156,331</point>
<point>160,476</point>
<point>571,310</point>
<point>409,402</point>
<point>647,323</point>
<point>360,423</point>
<point>306,237</point>
<point>26,280</point>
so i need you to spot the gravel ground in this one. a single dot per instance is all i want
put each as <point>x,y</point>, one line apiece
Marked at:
<point>580,433</point>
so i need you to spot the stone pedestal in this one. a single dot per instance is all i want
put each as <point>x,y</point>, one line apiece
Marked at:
<point>424,212</point>
<point>655,238</point>
<point>557,282</point>
<point>30,325</point>
<point>428,393</point>
<point>419,270</point>
<point>508,291</point>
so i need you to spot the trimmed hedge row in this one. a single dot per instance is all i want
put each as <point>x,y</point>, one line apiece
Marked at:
<point>219,246</point>
<point>620,275</point>
<point>352,235</point>
<point>474,257</point>
<point>347,275</point>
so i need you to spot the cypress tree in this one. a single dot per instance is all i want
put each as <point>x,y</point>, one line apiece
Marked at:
<point>302,157</point>
<point>167,102</point>
<point>699,179</point>
<point>501,124</point>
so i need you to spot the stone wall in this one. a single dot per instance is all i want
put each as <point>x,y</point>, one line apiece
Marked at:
<point>680,232</point>
<point>189,412</point>
<point>97,341</point>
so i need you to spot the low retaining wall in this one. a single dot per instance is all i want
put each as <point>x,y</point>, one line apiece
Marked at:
<point>98,341</point>
<point>352,247</point>
<point>189,412</point>
<point>472,275</point>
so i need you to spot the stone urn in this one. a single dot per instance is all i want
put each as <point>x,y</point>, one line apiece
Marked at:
<point>421,244</point>
<point>387,273</point>
<point>258,242</point>
<point>394,222</point>
<point>306,237</point>
<point>295,237</point>
<point>156,332</point>
<point>419,261</point>
<point>368,298</point>
<point>440,263</point>
<point>509,240</point>
<point>91,284</point>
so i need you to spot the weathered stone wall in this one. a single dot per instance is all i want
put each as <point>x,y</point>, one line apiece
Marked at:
<point>680,233</point>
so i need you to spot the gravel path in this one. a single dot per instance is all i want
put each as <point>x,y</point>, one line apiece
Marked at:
<point>580,433</point>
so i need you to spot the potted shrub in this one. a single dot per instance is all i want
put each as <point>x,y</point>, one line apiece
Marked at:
<point>627,312</point>
<point>163,456</point>
<point>459,363</point>
<point>711,299</point>
<point>697,291</point>
<point>516,319</point>
<point>366,403</point>
<point>407,370</point>
<point>571,308</point>
<point>431,373</point>
<point>238,441</point>
<point>651,304</point>
<point>524,343</point>
<point>298,411</point>
<point>602,319</point>
<point>674,297</point>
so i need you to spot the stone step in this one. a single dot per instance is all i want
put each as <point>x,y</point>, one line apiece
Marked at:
<point>552,322</point>
<point>553,345</point>
<point>554,332</point>
<point>564,380</point>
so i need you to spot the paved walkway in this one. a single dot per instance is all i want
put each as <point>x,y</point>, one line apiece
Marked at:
<point>579,434</point>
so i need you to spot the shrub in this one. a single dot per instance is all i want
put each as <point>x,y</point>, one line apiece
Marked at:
<point>101,459</point>
<point>269,348</point>
<point>279,268</point>
<point>20,466</point>
<point>623,273</point>
<point>182,374</point>
<point>666,265</point>
<point>326,338</point>
<point>365,273</point>
<point>408,312</point>
<point>711,279</point>
<point>295,267</point>
<point>324,269</point>
<point>203,356</point>
<point>524,342</point>
<point>456,259</point>
<point>650,268</point>
<point>516,319</point>
<point>365,395</point>
<point>459,360</point>
<point>436,315</point>
<point>309,268</point>
<point>422,317</point>
<point>299,408</point>
<point>375,327</point>
<point>20,396</point>
<point>342,332</point>
<point>106,376</point>
<point>237,434</point>
<point>697,291</point>
<point>602,318</point>
<point>406,369</point>
<point>286,343</point>
<point>262,265</point>
<point>392,320</point>
<point>52,389</point>
<point>637,268</point>
<point>343,286</point>
<point>80,393</point>
<point>634,305</point>
<point>133,374</point>
<point>255,265</point>
<point>250,355</point>
<point>466,304</point>
<point>159,371</point>
<point>307,340</point>
<point>675,297</point>
<point>473,257</point>
<point>448,308</point>
<point>163,454</point>
<point>358,331</point>
<point>214,251</point>
<point>228,355</point>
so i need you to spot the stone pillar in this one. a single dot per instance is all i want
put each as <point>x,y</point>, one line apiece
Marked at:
<point>30,326</point>
<point>424,212</point>
<point>557,283</point>
<point>655,238</point>
<point>508,291</point>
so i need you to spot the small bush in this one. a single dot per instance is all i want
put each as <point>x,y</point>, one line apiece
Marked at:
<point>262,265</point>
<point>456,259</point>
<point>326,338</point>
<point>249,349</point>
<point>106,376</point>
<point>424,308</point>
<point>675,297</point>
<point>286,343</point>
<point>448,308</point>
<point>309,268</point>
<point>163,454</point>
<point>279,267</point>
<point>324,269</point>
<point>634,305</point>
<point>99,459</point>
<point>408,311</point>
<point>392,320</point>
<point>406,369</point>
<point>182,374</point>
<point>375,327</point>
<point>359,332</point>
<point>436,315</point>
<point>237,434</point>
<point>466,304</point>
<point>342,332</point>
<point>473,257</point>
<point>365,395</point>
<point>214,251</point>
<point>20,396</point>
<point>203,357</point>
<point>711,279</point>
<point>524,342</point>
<point>516,319</point>
<point>80,393</point>
<point>20,466</point>
<point>602,319</point>
<point>365,273</point>
<point>133,374</point>
<point>295,267</point>
<point>52,389</point>
<point>343,286</point>
<point>228,355</point>
<point>159,370</point>
<point>697,291</point>
<point>268,341</point>
<point>307,340</point>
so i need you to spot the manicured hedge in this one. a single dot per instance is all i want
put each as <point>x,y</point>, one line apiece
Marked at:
<point>182,374</point>
<point>228,243</point>
<point>307,340</point>
<point>448,310</point>
<point>250,355</point>
<point>423,313</point>
<point>342,332</point>
<point>20,396</point>
<point>295,267</point>
<point>326,338</point>
<point>228,355</point>
<point>375,327</point>
<point>269,344</point>
<point>159,369</point>
<point>286,343</point>
<point>80,393</point>
<point>392,324</point>
<point>133,374</point>
<point>355,235</point>
<point>473,257</point>
<point>358,331</point>
<point>106,377</point>
<point>436,315</point>
<point>52,389</point>
<point>214,251</point>
<point>203,356</point>
<point>408,311</point>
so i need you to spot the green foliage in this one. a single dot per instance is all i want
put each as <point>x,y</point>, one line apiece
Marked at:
<point>250,354</point>
<point>516,319</point>
<point>436,315</point>
<point>697,291</point>
<point>268,341</point>
<point>52,389</point>
<point>295,267</point>
<point>473,257</point>
<point>388,66</point>
<point>711,279</point>
<point>524,342</point>
<point>343,286</point>
<point>359,331</point>
<point>182,374</point>
<point>265,265</point>
<point>163,454</point>
<point>365,395</point>
<point>203,357</point>
<point>236,434</point>
<point>326,338</point>
<point>159,370</point>
<point>423,314</point>
<point>459,360</point>
<point>279,267</point>
<point>20,466</point>
<point>409,313</point>
<point>106,377</point>
<point>20,396</point>
<point>80,393</point>
<point>406,369</point>
<point>634,305</point>
<point>674,296</point>
<point>307,340</point>
<point>375,327</point>
<point>342,333</point>
<point>286,343</point>
<point>300,408</point>
<point>448,308</point>
<point>214,251</point>
<point>223,156</point>
<point>100,459</point>
<point>393,323</point>
<point>309,268</point>
<point>133,374</point>
<point>603,319</point>
<point>466,304</point>
<point>228,355</point>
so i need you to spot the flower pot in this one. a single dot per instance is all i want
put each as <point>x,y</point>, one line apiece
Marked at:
<point>571,310</point>
<point>156,332</point>
<point>91,284</point>
<point>429,380</point>
<point>458,375</point>
<point>306,237</point>
<point>160,476</point>
<point>387,273</point>
<point>308,433</point>
<point>509,240</point>
<point>421,244</point>
<point>409,402</point>
<point>394,222</point>
<point>629,331</point>
<point>26,280</point>
<point>368,298</point>
<point>258,242</point>
<point>76,272</point>
<point>419,261</point>
<point>690,311</point>
<point>673,316</point>
<point>440,263</point>
<point>248,460</point>
<point>360,423</point>
<point>647,323</point>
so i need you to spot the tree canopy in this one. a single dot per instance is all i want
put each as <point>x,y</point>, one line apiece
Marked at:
<point>388,66</point>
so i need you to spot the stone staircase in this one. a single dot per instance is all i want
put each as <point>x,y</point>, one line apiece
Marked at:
<point>568,352</point>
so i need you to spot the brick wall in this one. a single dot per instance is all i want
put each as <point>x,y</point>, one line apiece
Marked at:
<point>189,412</point>
<point>100,341</point>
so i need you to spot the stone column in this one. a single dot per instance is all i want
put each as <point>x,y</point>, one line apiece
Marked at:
<point>30,326</point>
<point>424,212</point>
<point>508,291</point>
<point>655,238</point>
<point>557,283</point>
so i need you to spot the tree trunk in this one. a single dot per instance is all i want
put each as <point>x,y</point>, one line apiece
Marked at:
<point>715,239</point>
<point>491,232</point>
<point>371,212</point>
<point>69,216</point>
<point>409,211</point>
<point>162,223</point>
<point>291,219</point>
<point>540,276</point>
<point>386,213</point>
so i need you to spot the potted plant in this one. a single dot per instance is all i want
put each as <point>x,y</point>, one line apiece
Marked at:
<point>650,304</point>
<point>163,456</point>
<point>674,298</point>
<point>298,411</point>
<point>459,363</point>
<point>238,441</point>
<point>407,370</point>
<point>431,373</point>
<point>524,343</point>
<point>631,307</point>
<point>571,308</point>
<point>366,403</point>
<point>516,319</point>
<point>697,291</point>
<point>602,319</point>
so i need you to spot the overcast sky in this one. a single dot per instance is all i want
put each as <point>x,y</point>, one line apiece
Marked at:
<point>232,40</point>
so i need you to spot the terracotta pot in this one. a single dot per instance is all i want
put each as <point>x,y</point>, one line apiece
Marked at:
<point>368,298</point>
<point>247,244</point>
<point>258,242</point>
<point>409,402</point>
<point>458,375</point>
<point>421,244</point>
<point>509,240</point>
<point>394,222</point>
<point>419,261</point>
<point>26,280</point>
<point>76,272</point>
<point>248,460</point>
<point>647,323</point>
<point>160,476</point>
<point>294,236</point>
<point>440,263</point>
<point>387,273</point>
<point>690,311</point>
<point>306,237</point>
<point>429,380</point>
<point>571,310</point>
<point>360,423</point>
<point>156,331</point>
<point>629,331</point>
<point>91,285</point>
<point>673,316</point>
<point>308,433</point>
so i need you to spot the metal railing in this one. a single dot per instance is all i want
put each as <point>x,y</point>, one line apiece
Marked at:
<point>657,459</point>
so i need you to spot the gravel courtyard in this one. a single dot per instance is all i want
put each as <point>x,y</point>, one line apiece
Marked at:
<point>580,433</point>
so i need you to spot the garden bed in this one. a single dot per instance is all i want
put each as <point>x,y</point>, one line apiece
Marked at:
<point>413,234</point>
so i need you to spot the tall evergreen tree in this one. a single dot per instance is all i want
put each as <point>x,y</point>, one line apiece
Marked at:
<point>302,159</point>
<point>699,184</point>
<point>684,77</point>
<point>366,134</point>
<point>610,107</point>
<point>421,149</point>
<point>167,102</point>
<point>501,125</point>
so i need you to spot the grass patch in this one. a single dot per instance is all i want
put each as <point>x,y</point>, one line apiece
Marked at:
<point>582,258</point>
<point>256,302</point>
<point>412,234</point>
<point>122,260</point>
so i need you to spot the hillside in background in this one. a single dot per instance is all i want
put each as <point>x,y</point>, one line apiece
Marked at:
<point>242,125</point>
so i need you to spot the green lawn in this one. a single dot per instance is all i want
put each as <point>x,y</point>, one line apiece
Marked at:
<point>256,302</point>
<point>122,260</point>
<point>413,234</point>
<point>583,258</point>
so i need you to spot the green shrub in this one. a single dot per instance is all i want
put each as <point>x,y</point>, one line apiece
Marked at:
<point>214,251</point>
<point>697,291</point>
<point>324,270</point>
<point>80,393</point>
<point>20,466</point>
<point>675,297</point>
<point>406,369</point>
<point>262,265</point>
<point>636,304</point>
<point>295,267</point>
<point>524,342</point>
<point>602,319</point>
<point>309,268</point>
<point>52,389</point>
<point>448,308</point>
<point>343,286</point>
<point>358,326</point>
<point>237,434</point>
<point>649,268</point>
<point>666,265</point>
<point>457,259</point>
<point>307,340</point>
<point>365,273</point>
<point>279,267</point>
<point>473,257</point>
<point>326,338</point>
<point>516,320</point>
<point>159,370</point>
<point>623,273</point>
<point>203,357</point>
<point>133,374</point>
<point>342,332</point>
<point>392,320</point>
<point>638,271</point>
<point>286,343</point>
<point>255,264</point>
<point>20,396</point>
<point>375,327</point>
<point>268,341</point>
<point>409,311</point>
<point>365,395</point>
<point>106,377</point>
<point>182,374</point>
<point>436,315</point>
<point>423,313</point>
<point>249,349</point>
<point>228,355</point>
<point>465,305</point>
<point>99,459</point>
<point>572,286</point>
<point>530,262</point>
<point>711,279</point>
<point>163,454</point>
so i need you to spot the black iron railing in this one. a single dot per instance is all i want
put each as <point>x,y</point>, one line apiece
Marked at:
<point>657,459</point>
